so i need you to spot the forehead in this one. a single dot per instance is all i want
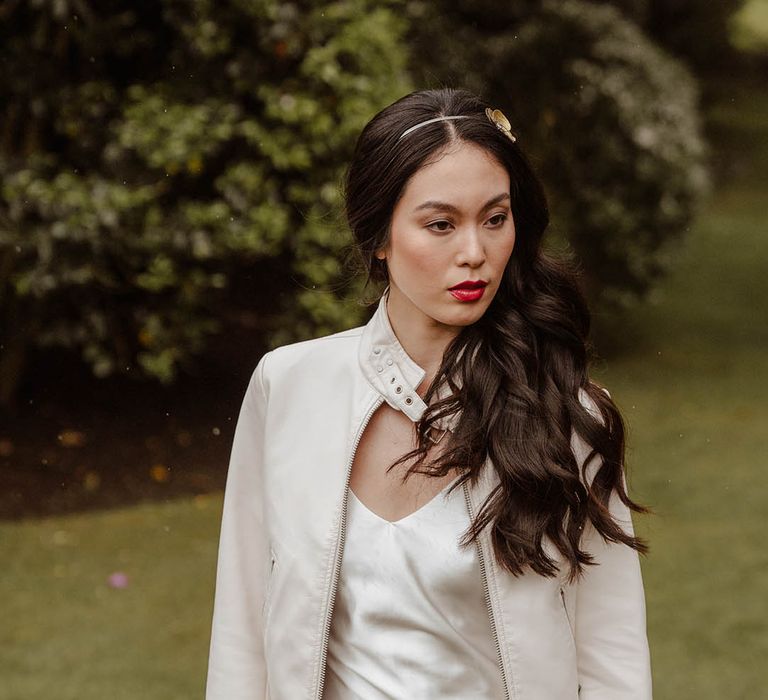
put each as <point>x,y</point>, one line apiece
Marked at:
<point>463,174</point>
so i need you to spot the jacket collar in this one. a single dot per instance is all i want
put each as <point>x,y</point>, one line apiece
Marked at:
<point>391,371</point>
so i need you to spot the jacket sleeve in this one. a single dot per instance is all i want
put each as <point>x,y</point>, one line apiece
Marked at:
<point>236,668</point>
<point>609,612</point>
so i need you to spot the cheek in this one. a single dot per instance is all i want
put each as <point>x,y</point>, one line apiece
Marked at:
<point>415,251</point>
<point>504,249</point>
<point>510,246</point>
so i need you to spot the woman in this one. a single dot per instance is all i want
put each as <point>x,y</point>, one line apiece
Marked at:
<point>433,505</point>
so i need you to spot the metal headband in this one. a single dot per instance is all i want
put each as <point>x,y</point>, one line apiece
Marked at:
<point>430,121</point>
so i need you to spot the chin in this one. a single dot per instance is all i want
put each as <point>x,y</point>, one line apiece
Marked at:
<point>465,315</point>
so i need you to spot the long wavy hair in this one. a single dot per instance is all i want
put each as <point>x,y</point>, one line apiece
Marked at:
<point>515,374</point>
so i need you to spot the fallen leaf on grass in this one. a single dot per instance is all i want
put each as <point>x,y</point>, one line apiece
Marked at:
<point>92,481</point>
<point>71,438</point>
<point>160,473</point>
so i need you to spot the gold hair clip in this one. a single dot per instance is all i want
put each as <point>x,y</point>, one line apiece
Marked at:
<point>501,122</point>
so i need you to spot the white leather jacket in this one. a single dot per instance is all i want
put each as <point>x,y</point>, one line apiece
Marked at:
<point>283,530</point>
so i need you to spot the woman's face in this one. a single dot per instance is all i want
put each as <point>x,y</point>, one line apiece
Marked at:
<point>453,224</point>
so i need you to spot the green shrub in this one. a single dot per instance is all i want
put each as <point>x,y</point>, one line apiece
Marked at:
<point>611,121</point>
<point>165,166</point>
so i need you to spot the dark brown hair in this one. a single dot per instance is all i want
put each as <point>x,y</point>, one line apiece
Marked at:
<point>517,372</point>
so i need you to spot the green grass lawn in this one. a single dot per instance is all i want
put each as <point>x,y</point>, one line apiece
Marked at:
<point>695,397</point>
<point>66,634</point>
<point>695,392</point>
<point>693,388</point>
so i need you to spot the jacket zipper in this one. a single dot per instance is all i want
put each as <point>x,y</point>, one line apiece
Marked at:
<point>567,614</point>
<point>488,601</point>
<point>339,549</point>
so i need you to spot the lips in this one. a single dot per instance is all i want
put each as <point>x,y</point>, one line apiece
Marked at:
<point>470,284</point>
<point>469,290</point>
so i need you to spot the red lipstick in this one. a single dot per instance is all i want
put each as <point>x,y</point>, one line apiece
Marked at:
<point>469,290</point>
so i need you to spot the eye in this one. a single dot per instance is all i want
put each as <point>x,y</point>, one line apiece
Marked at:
<point>441,225</point>
<point>497,220</point>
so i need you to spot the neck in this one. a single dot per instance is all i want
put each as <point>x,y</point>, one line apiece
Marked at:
<point>423,338</point>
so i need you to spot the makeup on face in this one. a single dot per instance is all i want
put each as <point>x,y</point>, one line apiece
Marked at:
<point>470,290</point>
<point>451,237</point>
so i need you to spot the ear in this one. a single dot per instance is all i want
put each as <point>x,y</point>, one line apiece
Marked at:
<point>381,254</point>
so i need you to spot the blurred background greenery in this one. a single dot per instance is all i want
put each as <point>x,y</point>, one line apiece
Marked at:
<point>170,208</point>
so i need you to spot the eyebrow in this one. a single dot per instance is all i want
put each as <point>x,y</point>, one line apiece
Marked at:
<point>444,206</point>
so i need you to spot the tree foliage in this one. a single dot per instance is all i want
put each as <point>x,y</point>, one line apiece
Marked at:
<point>166,164</point>
<point>611,119</point>
<point>166,167</point>
<point>694,31</point>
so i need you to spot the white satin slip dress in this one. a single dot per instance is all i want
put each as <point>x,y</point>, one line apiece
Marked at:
<point>410,619</point>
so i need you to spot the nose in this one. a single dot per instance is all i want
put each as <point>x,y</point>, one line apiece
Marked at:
<point>471,250</point>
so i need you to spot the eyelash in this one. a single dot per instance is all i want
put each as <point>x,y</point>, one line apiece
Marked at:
<point>444,221</point>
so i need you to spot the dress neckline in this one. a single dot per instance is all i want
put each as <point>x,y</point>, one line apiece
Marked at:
<point>406,518</point>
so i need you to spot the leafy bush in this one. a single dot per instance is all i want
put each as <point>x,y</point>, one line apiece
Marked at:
<point>694,31</point>
<point>611,120</point>
<point>165,166</point>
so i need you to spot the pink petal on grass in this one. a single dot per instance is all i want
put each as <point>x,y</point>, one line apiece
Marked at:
<point>118,579</point>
